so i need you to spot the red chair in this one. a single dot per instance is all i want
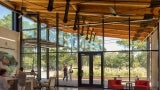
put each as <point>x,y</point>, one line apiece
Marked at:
<point>142,85</point>
<point>115,84</point>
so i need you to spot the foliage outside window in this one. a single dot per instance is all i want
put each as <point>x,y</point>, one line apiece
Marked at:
<point>5,17</point>
<point>117,62</point>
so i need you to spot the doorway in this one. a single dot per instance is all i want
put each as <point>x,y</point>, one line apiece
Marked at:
<point>90,69</point>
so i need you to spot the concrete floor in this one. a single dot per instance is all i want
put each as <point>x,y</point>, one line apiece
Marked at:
<point>72,88</point>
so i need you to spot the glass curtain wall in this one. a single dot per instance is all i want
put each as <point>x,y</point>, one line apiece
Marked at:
<point>132,59</point>
<point>68,54</point>
<point>52,54</point>
<point>116,58</point>
<point>52,64</point>
<point>117,62</point>
<point>67,58</point>
<point>5,17</point>
<point>44,37</point>
<point>43,63</point>
<point>29,52</point>
<point>88,43</point>
<point>126,59</point>
<point>122,57</point>
<point>139,59</point>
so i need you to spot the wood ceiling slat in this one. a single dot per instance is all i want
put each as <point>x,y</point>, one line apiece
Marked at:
<point>117,4</point>
<point>93,10</point>
<point>118,32</point>
<point>117,35</point>
<point>119,10</point>
<point>46,2</point>
<point>7,4</point>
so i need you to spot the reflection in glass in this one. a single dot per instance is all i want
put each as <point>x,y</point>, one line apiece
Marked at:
<point>85,68</point>
<point>43,63</point>
<point>66,59</point>
<point>97,69</point>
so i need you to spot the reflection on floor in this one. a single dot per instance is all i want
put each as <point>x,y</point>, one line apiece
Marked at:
<point>73,85</point>
<point>70,88</point>
<point>74,82</point>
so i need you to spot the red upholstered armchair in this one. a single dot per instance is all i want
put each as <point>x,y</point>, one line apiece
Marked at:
<point>115,84</point>
<point>142,85</point>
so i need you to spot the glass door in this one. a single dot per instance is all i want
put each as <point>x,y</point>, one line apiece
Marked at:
<point>90,69</point>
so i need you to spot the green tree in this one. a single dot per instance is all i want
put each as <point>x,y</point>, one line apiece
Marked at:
<point>6,21</point>
<point>136,57</point>
<point>116,60</point>
<point>134,45</point>
<point>121,59</point>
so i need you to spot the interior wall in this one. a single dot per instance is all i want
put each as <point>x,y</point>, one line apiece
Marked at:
<point>154,60</point>
<point>10,42</point>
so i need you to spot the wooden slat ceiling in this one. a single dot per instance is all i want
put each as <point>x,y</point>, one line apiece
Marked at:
<point>92,12</point>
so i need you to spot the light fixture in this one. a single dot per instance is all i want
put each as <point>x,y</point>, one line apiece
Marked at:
<point>87,33</point>
<point>91,35</point>
<point>20,16</point>
<point>65,19</point>
<point>50,5</point>
<point>94,36</point>
<point>76,18</point>
<point>23,9</point>
<point>82,25</point>
<point>112,11</point>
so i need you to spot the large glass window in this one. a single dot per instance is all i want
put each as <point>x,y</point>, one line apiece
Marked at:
<point>123,58</point>
<point>29,28</point>
<point>126,60</point>
<point>70,61</point>
<point>43,63</point>
<point>68,42</point>
<point>5,17</point>
<point>29,54</point>
<point>28,24</point>
<point>52,35</point>
<point>52,64</point>
<point>44,34</point>
<point>88,43</point>
<point>29,61</point>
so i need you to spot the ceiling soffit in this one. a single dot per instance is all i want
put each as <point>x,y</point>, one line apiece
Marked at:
<point>94,12</point>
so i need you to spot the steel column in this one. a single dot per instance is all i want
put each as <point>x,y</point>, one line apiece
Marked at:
<point>57,48</point>
<point>78,35</point>
<point>158,54</point>
<point>38,47</point>
<point>102,56</point>
<point>129,49</point>
<point>47,53</point>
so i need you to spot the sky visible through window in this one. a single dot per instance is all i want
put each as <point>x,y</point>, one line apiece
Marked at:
<point>110,43</point>
<point>4,11</point>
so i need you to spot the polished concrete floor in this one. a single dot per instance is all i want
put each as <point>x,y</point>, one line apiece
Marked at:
<point>74,82</point>
<point>72,88</point>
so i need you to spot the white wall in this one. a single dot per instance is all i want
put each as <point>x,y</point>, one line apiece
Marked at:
<point>154,60</point>
<point>10,42</point>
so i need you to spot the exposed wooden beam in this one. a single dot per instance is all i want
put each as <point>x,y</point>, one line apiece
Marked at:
<point>7,4</point>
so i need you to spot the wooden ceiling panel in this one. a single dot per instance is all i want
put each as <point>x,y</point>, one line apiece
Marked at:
<point>115,24</point>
